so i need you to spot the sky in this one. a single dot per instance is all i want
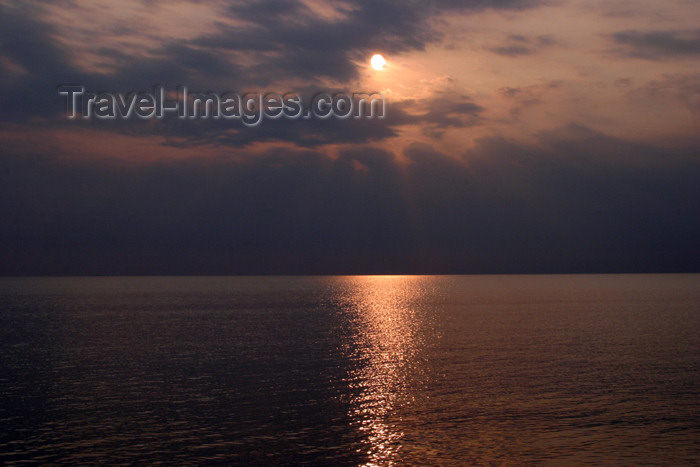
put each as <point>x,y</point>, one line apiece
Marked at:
<point>520,136</point>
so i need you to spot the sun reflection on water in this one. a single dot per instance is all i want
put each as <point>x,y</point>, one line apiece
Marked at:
<point>388,336</point>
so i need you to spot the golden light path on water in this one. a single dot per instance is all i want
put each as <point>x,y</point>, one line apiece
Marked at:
<point>389,335</point>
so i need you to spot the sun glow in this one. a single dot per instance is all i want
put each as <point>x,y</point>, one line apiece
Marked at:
<point>377,62</point>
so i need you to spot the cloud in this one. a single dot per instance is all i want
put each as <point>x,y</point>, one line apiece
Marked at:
<point>289,32</point>
<point>657,45</point>
<point>252,45</point>
<point>524,97</point>
<point>674,90</point>
<point>440,111</point>
<point>517,45</point>
<point>511,51</point>
<point>575,201</point>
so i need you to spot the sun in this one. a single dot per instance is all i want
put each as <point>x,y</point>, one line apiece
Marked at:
<point>377,62</point>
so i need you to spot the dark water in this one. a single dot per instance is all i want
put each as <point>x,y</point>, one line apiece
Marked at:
<point>462,370</point>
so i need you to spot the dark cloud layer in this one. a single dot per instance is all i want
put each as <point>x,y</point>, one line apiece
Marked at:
<point>285,37</point>
<point>517,45</point>
<point>658,45</point>
<point>579,201</point>
<point>512,50</point>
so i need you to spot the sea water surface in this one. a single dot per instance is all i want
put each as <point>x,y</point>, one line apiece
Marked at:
<point>362,370</point>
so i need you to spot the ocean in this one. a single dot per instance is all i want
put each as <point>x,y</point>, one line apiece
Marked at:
<point>351,370</point>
